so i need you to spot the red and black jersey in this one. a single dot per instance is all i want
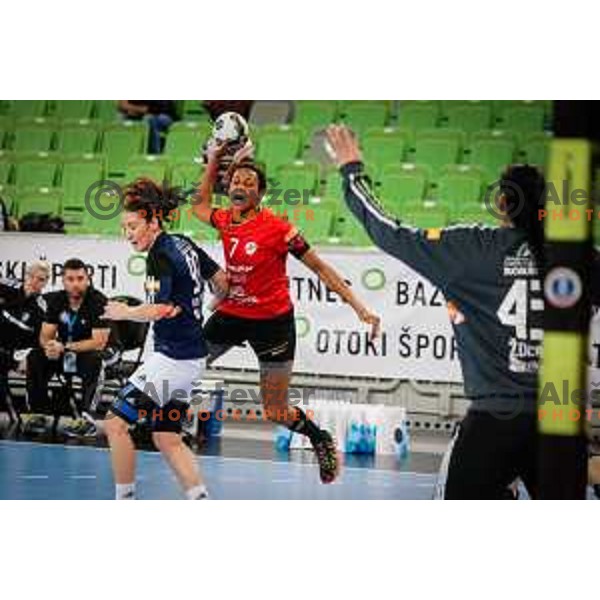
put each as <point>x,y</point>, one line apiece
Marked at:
<point>256,253</point>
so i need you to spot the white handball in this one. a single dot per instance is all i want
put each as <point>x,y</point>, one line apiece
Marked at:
<point>230,128</point>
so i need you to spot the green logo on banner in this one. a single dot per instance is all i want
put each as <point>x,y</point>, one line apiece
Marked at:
<point>374,279</point>
<point>302,326</point>
<point>136,265</point>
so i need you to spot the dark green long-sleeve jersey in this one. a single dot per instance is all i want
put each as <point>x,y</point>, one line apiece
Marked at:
<point>490,280</point>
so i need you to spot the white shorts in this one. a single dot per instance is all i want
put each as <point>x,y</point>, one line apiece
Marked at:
<point>163,379</point>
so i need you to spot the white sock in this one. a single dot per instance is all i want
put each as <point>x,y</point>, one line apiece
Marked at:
<point>125,491</point>
<point>198,492</point>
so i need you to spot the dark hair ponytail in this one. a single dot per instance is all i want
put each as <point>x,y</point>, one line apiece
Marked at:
<point>524,188</point>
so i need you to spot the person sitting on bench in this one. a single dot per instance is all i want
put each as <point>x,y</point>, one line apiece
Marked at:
<point>22,310</point>
<point>72,339</point>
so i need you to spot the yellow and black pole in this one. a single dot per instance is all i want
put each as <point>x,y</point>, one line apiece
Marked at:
<point>566,281</point>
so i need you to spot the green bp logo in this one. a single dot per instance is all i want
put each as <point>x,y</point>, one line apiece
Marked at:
<point>373,279</point>
<point>302,326</point>
<point>136,265</point>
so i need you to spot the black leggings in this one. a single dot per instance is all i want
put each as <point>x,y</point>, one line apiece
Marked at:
<point>489,453</point>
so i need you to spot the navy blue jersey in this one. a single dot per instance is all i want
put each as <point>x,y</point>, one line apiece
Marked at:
<point>175,274</point>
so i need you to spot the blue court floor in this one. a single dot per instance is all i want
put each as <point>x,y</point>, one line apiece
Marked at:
<point>30,470</point>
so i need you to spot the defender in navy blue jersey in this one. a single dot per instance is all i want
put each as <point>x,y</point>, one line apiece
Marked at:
<point>163,386</point>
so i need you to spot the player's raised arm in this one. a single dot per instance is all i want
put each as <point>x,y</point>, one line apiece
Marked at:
<point>438,254</point>
<point>202,201</point>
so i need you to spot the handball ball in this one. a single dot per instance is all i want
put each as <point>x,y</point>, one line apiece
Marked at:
<point>230,128</point>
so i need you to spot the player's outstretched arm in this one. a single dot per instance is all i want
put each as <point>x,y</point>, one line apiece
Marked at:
<point>144,313</point>
<point>438,254</point>
<point>332,279</point>
<point>202,201</point>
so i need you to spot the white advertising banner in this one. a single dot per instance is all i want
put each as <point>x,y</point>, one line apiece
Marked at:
<point>416,342</point>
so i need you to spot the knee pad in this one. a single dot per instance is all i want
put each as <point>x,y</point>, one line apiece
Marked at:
<point>128,402</point>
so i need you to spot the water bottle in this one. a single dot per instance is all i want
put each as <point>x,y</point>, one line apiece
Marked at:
<point>354,433</point>
<point>402,440</point>
<point>283,438</point>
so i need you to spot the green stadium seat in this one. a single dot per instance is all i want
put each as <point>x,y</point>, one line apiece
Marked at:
<point>548,110</point>
<point>79,174</point>
<point>192,110</point>
<point>521,116</point>
<point>278,146</point>
<point>152,166</point>
<point>185,139</point>
<point>79,220</point>
<point>468,115</point>
<point>91,224</point>
<point>459,186</point>
<point>186,175</point>
<point>5,107</point>
<point>336,206</point>
<point>105,111</point>
<point>27,108</point>
<point>352,233</point>
<point>385,146</point>
<point>296,179</point>
<point>426,218</point>
<point>315,222</point>
<point>472,215</point>
<point>42,200</point>
<point>122,141</point>
<point>401,185</point>
<point>6,167</point>
<point>196,229</point>
<point>72,109</point>
<point>315,114</point>
<point>359,115</point>
<point>332,183</point>
<point>493,151</point>
<point>7,127</point>
<point>33,135</point>
<point>78,137</point>
<point>418,114</point>
<point>437,148</point>
<point>534,149</point>
<point>36,170</point>
<point>8,193</point>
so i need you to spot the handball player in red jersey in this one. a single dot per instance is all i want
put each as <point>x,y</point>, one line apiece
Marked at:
<point>258,309</point>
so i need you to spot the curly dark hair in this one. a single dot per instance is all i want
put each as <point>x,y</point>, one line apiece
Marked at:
<point>153,200</point>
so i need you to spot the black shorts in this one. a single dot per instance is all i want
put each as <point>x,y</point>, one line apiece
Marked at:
<point>133,406</point>
<point>272,340</point>
<point>489,453</point>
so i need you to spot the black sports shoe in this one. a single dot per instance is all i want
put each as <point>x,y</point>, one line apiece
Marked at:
<point>327,455</point>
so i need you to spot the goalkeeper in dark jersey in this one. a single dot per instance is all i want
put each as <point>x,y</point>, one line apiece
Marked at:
<point>491,281</point>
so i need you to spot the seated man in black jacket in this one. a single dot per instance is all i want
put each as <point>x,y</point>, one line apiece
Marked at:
<point>22,310</point>
<point>72,338</point>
